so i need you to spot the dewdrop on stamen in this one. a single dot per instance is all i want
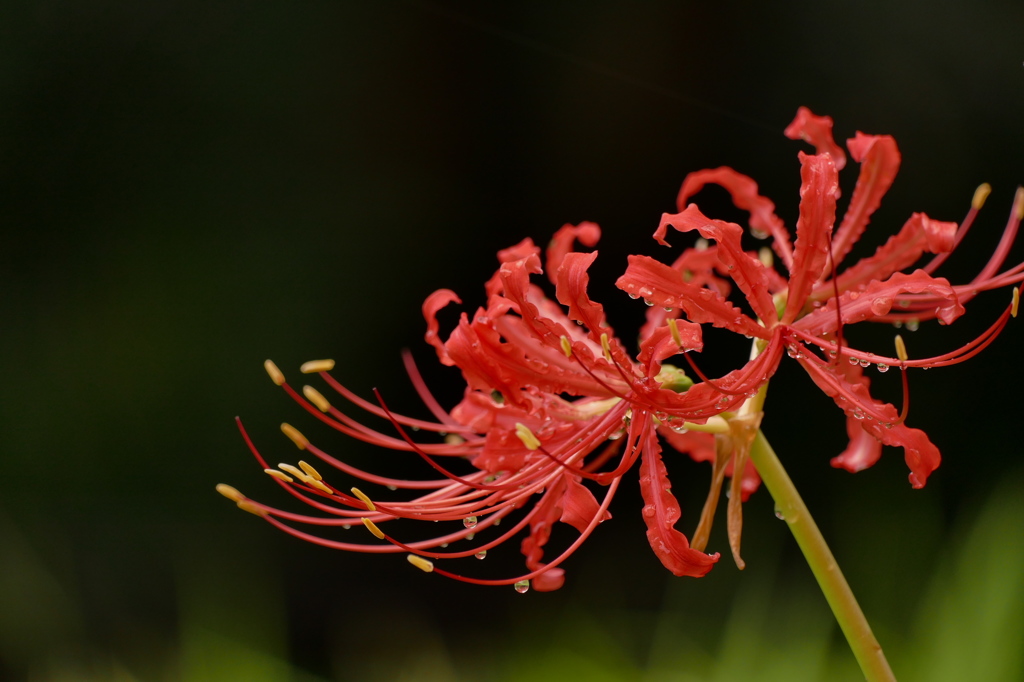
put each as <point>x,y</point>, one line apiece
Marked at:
<point>275,374</point>
<point>372,527</point>
<point>364,499</point>
<point>316,397</point>
<point>295,436</point>
<point>420,563</point>
<point>314,366</point>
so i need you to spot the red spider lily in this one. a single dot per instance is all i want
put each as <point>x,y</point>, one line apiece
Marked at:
<point>808,310</point>
<point>519,355</point>
<point>556,407</point>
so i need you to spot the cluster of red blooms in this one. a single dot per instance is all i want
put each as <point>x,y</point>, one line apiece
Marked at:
<point>534,449</point>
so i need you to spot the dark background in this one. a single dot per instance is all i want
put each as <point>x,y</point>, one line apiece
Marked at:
<point>189,188</point>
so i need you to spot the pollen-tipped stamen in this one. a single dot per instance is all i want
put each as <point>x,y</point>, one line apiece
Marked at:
<point>251,507</point>
<point>419,562</point>
<point>364,499</point>
<point>275,374</point>
<point>294,435</point>
<point>279,475</point>
<point>673,329</point>
<point>566,345</point>
<point>524,434</point>
<point>372,527</point>
<point>901,349</point>
<point>230,492</point>
<point>317,398</point>
<point>314,366</point>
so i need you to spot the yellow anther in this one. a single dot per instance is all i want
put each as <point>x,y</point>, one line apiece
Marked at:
<point>296,437</point>
<point>316,397</point>
<point>275,374</point>
<point>765,255</point>
<point>319,485</point>
<point>454,439</point>
<point>980,195</point>
<point>314,366</point>
<point>673,329</point>
<point>365,500</point>
<point>1016,302</point>
<point>566,346</point>
<point>308,468</point>
<point>420,563</point>
<point>524,434</point>
<point>1018,203</point>
<point>280,475</point>
<point>230,492</point>
<point>246,505</point>
<point>293,470</point>
<point>606,347</point>
<point>372,527</point>
<point>901,349</point>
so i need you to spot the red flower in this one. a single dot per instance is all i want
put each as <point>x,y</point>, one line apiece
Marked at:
<point>555,407</point>
<point>519,356</point>
<point>806,312</point>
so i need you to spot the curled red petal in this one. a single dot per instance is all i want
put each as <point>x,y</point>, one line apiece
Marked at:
<point>819,183</point>
<point>661,512</point>
<point>437,300</point>
<point>920,454</point>
<point>876,300</point>
<point>880,161</point>
<point>661,344</point>
<point>571,291</point>
<point>664,286</point>
<point>586,233</point>
<point>524,249</point>
<point>918,235</point>
<point>817,130</point>
<point>748,272</point>
<point>579,506</point>
<point>744,194</point>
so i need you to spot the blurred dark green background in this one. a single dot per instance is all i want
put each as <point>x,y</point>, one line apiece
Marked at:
<point>188,188</point>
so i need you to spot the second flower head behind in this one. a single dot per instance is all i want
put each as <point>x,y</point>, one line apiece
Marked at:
<point>556,408</point>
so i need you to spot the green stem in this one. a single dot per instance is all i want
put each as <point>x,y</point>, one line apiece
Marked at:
<point>819,557</point>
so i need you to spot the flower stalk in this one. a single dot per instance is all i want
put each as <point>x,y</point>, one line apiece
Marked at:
<point>847,611</point>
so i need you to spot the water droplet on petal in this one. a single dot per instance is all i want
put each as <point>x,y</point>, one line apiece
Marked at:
<point>778,514</point>
<point>864,363</point>
<point>913,325</point>
<point>853,360</point>
<point>469,522</point>
<point>481,554</point>
<point>522,587</point>
<point>392,487</point>
<point>650,511</point>
<point>882,367</point>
